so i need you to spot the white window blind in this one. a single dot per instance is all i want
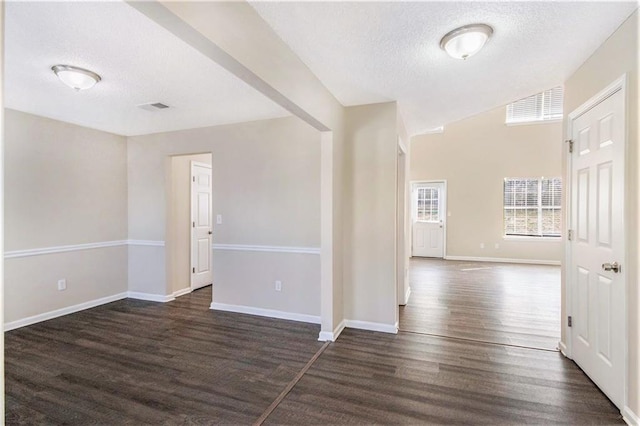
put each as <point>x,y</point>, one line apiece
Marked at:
<point>533,207</point>
<point>543,106</point>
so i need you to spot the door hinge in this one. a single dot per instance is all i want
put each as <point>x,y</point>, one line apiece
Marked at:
<point>193,270</point>
<point>570,235</point>
<point>570,142</point>
<point>194,224</point>
<point>569,321</point>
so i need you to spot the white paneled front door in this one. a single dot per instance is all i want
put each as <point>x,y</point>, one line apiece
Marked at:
<point>428,219</point>
<point>201,225</point>
<point>597,247</point>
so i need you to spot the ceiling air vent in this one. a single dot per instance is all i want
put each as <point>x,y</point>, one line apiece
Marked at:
<point>154,106</point>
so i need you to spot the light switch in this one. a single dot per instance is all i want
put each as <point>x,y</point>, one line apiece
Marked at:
<point>219,219</point>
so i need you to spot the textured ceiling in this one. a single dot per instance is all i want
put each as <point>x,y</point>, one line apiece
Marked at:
<point>369,52</point>
<point>139,62</point>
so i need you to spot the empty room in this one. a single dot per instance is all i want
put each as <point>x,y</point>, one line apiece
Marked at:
<point>320,212</point>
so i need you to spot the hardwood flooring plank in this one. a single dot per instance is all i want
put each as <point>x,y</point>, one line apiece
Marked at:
<point>137,362</point>
<point>179,363</point>
<point>363,378</point>
<point>508,304</point>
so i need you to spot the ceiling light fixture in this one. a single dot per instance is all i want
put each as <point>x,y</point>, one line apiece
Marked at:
<point>466,41</point>
<point>76,78</point>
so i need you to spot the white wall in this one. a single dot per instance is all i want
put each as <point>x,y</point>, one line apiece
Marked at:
<point>474,156</point>
<point>370,215</point>
<point>616,56</point>
<point>266,186</point>
<point>64,185</point>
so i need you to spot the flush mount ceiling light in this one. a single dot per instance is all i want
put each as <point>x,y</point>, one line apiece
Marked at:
<point>466,41</point>
<point>76,78</point>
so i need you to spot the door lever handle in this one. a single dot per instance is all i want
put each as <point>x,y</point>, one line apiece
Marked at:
<point>615,267</point>
<point>210,232</point>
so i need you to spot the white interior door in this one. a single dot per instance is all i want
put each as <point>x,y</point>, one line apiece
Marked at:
<point>201,225</point>
<point>597,221</point>
<point>428,224</point>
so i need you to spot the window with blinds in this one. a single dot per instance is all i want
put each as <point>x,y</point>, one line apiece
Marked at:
<point>533,207</point>
<point>543,106</point>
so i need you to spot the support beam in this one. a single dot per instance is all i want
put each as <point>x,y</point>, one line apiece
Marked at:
<point>185,21</point>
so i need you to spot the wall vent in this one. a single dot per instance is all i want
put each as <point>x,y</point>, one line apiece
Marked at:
<point>153,106</point>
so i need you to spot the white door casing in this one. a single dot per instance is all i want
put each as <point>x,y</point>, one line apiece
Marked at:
<point>428,224</point>
<point>597,302</point>
<point>201,225</point>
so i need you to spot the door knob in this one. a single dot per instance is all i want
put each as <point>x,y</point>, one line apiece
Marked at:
<point>615,267</point>
<point>210,232</point>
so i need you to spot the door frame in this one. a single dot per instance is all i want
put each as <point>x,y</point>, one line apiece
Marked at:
<point>191,253</point>
<point>620,84</point>
<point>413,185</point>
<point>402,260</point>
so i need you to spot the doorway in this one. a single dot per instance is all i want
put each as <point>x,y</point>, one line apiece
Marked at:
<point>189,210</point>
<point>428,219</point>
<point>201,225</point>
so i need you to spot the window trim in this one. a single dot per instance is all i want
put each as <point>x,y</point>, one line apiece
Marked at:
<point>539,207</point>
<point>529,238</point>
<point>526,123</point>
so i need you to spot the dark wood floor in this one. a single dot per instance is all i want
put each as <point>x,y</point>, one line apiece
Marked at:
<point>134,362</point>
<point>376,378</point>
<point>494,302</point>
<point>142,362</point>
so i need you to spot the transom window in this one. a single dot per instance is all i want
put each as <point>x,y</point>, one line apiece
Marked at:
<point>428,210</point>
<point>533,207</point>
<point>543,106</point>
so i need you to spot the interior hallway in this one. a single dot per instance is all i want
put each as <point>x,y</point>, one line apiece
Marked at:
<point>180,363</point>
<point>512,304</point>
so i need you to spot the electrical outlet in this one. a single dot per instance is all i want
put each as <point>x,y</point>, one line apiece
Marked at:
<point>62,284</point>
<point>278,285</point>
<point>219,219</point>
<point>481,245</point>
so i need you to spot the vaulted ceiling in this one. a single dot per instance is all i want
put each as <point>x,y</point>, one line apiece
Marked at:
<point>363,52</point>
<point>369,52</point>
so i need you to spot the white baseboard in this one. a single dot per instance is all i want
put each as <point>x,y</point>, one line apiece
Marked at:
<point>503,260</point>
<point>563,349</point>
<point>372,326</point>
<point>151,297</point>
<point>182,292</point>
<point>332,336</point>
<point>292,316</point>
<point>63,311</point>
<point>630,417</point>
